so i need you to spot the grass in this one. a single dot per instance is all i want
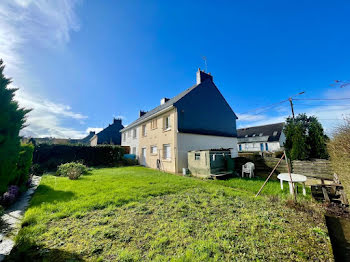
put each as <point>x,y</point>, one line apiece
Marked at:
<point>138,214</point>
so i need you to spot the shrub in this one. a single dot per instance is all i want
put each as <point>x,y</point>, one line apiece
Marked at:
<point>72,170</point>
<point>49,157</point>
<point>24,164</point>
<point>339,151</point>
<point>10,196</point>
<point>130,162</point>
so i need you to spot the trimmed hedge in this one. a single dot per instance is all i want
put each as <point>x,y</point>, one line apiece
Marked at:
<point>51,156</point>
<point>24,164</point>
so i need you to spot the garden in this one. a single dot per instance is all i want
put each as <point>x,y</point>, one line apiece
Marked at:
<point>139,214</point>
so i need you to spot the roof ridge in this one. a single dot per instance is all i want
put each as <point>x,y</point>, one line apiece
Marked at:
<point>260,125</point>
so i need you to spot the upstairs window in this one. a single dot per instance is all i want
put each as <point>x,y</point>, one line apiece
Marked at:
<point>260,134</point>
<point>167,123</point>
<point>129,132</point>
<point>154,124</point>
<point>124,136</point>
<point>144,132</point>
<point>253,135</point>
<point>274,133</point>
<point>246,136</point>
<point>134,133</point>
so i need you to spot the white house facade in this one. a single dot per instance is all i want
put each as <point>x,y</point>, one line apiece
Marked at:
<point>267,138</point>
<point>130,138</point>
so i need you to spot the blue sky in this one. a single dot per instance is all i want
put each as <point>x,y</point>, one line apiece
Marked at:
<point>78,64</point>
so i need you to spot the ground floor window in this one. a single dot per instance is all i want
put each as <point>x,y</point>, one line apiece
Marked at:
<point>166,152</point>
<point>133,151</point>
<point>261,147</point>
<point>240,147</point>
<point>153,150</point>
<point>266,146</point>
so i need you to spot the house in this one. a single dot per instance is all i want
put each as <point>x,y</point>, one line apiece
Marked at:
<point>198,118</point>
<point>110,135</point>
<point>266,138</point>
<point>59,141</point>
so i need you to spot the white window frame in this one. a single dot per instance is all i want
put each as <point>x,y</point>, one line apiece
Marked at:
<point>152,149</point>
<point>124,136</point>
<point>166,150</point>
<point>144,130</point>
<point>166,123</point>
<point>197,156</point>
<point>133,150</point>
<point>134,133</point>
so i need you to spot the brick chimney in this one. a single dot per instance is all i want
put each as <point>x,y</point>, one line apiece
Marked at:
<point>141,113</point>
<point>164,100</point>
<point>92,132</point>
<point>202,76</point>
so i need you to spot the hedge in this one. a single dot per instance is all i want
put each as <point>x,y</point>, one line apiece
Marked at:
<point>51,156</point>
<point>23,166</point>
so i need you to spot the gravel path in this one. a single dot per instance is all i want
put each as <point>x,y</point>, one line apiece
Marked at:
<point>12,219</point>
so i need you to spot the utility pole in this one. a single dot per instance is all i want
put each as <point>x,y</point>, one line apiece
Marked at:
<point>291,102</point>
<point>291,106</point>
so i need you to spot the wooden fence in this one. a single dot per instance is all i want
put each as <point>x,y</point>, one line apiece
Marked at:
<point>318,168</point>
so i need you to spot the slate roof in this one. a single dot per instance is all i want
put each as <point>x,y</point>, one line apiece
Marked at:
<point>159,108</point>
<point>265,130</point>
<point>111,134</point>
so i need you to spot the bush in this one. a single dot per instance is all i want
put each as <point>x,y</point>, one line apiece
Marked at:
<point>130,162</point>
<point>10,196</point>
<point>72,170</point>
<point>49,157</point>
<point>24,164</point>
<point>339,151</point>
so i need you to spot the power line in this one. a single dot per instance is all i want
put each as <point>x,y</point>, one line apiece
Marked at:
<point>320,99</point>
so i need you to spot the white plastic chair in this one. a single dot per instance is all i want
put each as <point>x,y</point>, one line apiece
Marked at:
<point>248,168</point>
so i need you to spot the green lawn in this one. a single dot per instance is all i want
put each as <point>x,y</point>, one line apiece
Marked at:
<point>138,214</point>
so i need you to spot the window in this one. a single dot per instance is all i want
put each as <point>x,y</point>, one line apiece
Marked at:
<point>246,136</point>
<point>129,132</point>
<point>134,133</point>
<point>144,130</point>
<point>240,147</point>
<point>166,123</point>
<point>274,133</point>
<point>254,135</point>
<point>197,156</point>
<point>124,136</point>
<point>154,150</point>
<point>261,147</point>
<point>260,134</point>
<point>133,151</point>
<point>154,124</point>
<point>266,146</point>
<point>166,152</point>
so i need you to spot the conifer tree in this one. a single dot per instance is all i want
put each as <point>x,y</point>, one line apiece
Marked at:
<point>12,120</point>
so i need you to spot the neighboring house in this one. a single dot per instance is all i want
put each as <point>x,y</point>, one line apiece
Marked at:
<point>198,118</point>
<point>59,141</point>
<point>110,135</point>
<point>267,138</point>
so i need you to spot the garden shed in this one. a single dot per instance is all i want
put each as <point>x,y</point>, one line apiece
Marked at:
<point>211,162</point>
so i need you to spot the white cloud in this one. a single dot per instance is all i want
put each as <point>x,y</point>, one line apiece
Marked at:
<point>42,24</point>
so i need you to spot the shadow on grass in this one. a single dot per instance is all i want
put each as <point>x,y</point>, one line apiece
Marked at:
<point>46,194</point>
<point>32,252</point>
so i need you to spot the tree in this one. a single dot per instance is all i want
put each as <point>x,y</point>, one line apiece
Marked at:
<point>12,120</point>
<point>305,138</point>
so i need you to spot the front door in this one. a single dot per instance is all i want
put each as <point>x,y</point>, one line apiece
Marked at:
<point>143,157</point>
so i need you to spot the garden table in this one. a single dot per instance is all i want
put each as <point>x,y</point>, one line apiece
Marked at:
<point>296,178</point>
